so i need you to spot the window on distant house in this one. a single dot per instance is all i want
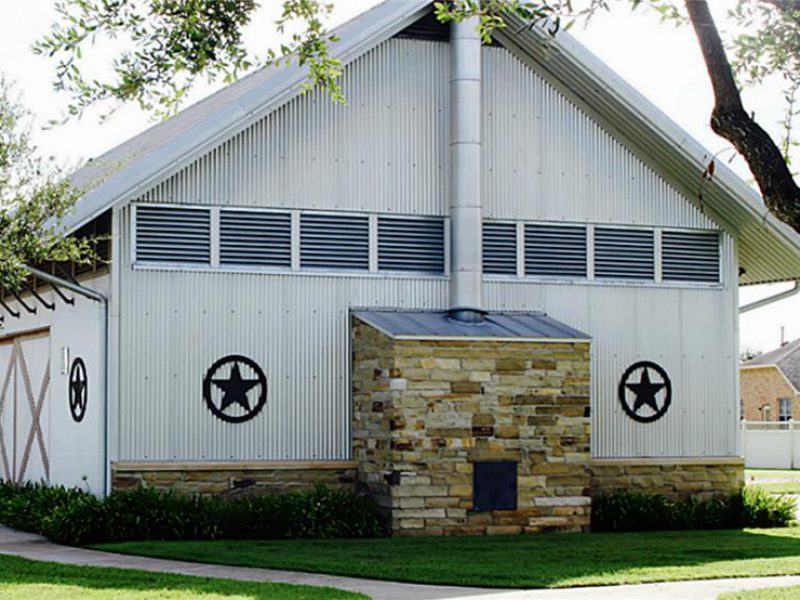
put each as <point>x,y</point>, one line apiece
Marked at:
<point>766,413</point>
<point>784,409</point>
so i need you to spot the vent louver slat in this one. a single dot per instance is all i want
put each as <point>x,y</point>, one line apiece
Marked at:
<point>173,235</point>
<point>334,242</point>
<point>500,248</point>
<point>255,238</point>
<point>555,251</point>
<point>624,254</point>
<point>415,245</point>
<point>690,256</point>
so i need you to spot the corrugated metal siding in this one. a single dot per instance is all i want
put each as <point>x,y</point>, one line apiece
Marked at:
<point>175,324</point>
<point>544,159</point>
<point>384,151</point>
<point>689,332</point>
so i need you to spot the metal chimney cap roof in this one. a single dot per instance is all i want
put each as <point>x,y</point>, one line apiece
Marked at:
<point>505,326</point>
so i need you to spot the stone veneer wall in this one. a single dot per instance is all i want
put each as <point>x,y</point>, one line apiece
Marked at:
<point>675,478</point>
<point>233,478</point>
<point>425,410</point>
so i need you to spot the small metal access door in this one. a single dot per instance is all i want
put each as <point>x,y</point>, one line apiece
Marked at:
<point>24,407</point>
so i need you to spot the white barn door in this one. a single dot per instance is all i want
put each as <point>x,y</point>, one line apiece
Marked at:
<point>24,407</point>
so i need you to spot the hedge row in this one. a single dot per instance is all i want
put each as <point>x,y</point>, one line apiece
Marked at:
<point>75,517</point>
<point>634,511</point>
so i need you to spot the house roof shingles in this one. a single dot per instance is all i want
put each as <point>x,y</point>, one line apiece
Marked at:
<point>786,359</point>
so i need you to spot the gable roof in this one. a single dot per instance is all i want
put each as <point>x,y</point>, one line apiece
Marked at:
<point>786,359</point>
<point>769,250</point>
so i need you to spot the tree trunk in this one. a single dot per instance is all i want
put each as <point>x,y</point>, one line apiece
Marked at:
<point>730,120</point>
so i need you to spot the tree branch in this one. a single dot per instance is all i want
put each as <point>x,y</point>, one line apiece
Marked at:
<point>730,120</point>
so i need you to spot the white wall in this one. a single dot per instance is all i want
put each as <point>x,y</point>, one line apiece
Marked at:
<point>75,449</point>
<point>771,445</point>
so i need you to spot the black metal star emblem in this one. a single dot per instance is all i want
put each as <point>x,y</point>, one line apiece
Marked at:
<point>78,390</point>
<point>231,395</point>
<point>645,392</point>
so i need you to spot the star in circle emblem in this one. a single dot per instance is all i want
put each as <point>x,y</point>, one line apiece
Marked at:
<point>235,389</point>
<point>645,392</point>
<point>78,390</point>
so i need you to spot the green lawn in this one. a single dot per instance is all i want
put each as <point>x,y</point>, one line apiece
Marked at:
<point>775,481</point>
<point>22,579</point>
<point>784,593</point>
<point>790,487</point>
<point>785,474</point>
<point>513,561</point>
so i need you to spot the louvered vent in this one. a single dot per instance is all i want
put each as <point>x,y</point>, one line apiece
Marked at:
<point>255,238</point>
<point>690,256</point>
<point>555,250</point>
<point>334,242</point>
<point>624,254</point>
<point>173,235</point>
<point>500,248</point>
<point>411,244</point>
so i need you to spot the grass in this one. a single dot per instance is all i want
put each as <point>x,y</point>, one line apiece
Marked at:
<point>774,481</point>
<point>22,579</point>
<point>781,593</point>
<point>512,561</point>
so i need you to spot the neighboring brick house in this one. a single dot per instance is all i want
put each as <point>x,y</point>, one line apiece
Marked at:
<point>770,384</point>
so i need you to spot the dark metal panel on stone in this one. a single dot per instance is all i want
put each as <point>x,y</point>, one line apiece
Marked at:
<point>494,485</point>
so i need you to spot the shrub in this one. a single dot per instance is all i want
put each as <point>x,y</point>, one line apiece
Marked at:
<point>71,516</point>
<point>636,511</point>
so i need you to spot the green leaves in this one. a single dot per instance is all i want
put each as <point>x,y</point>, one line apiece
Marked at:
<point>33,200</point>
<point>165,46</point>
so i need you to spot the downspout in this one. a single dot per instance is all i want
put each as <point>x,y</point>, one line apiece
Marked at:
<point>770,299</point>
<point>102,299</point>
<point>465,168</point>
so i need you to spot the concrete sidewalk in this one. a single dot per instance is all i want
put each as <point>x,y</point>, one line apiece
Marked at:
<point>34,547</point>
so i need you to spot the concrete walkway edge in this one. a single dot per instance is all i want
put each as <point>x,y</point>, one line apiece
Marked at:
<point>34,547</point>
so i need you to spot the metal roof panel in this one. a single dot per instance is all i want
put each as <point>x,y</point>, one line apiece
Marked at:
<point>438,324</point>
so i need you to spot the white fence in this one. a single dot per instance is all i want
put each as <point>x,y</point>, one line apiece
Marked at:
<point>771,445</point>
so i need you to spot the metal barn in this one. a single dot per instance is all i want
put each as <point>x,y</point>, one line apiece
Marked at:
<point>489,256</point>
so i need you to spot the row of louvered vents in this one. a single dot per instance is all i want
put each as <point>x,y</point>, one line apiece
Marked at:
<point>562,251</point>
<point>264,239</point>
<point>335,241</point>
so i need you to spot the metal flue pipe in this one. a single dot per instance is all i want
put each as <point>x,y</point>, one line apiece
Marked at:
<point>465,167</point>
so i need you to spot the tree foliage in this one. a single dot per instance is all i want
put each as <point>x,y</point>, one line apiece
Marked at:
<point>33,199</point>
<point>167,45</point>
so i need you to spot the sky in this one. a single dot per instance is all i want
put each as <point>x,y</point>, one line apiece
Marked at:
<point>663,62</point>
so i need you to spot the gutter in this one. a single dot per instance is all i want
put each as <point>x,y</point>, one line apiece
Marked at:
<point>102,299</point>
<point>770,299</point>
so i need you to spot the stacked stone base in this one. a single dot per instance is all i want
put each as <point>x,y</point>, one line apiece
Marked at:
<point>675,478</point>
<point>234,478</point>
<point>426,411</point>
